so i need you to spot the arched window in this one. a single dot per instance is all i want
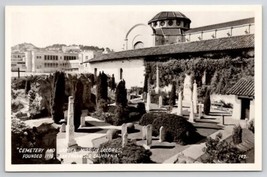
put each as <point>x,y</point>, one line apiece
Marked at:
<point>121,73</point>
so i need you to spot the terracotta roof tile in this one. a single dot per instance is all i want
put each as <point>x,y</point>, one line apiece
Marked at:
<point>244,87</point>
<point>220,44</point>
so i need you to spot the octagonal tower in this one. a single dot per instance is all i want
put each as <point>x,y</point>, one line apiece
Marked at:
<point>169,27</point>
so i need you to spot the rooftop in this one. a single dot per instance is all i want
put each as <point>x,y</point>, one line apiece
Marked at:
<point>243,87</point>
<point>220,44</point>
<point>168,16</point>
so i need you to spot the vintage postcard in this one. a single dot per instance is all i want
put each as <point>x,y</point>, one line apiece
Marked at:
<point>133,88</point>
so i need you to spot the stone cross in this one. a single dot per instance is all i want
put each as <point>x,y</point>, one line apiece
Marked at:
<point>191,116</point>
<point>195,99</point>
<point>161,134</point>
<point>187,92</point>
<point>63,127</point>
<point>70,126</point>
<point>124,139</point>
<point>149,135</point>
<point>180,105</point>
<point>144,132</point>
<point>148,101</point>
<point>82,121</point>
<point>123,129</point>
<point>160,101</point>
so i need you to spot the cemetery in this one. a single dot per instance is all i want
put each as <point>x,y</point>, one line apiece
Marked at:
<point>90,119</point>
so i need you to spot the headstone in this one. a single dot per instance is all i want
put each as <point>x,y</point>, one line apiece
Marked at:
<point>187,92</point>
<point>128,95</point>
<point>82,121</point>
<point>149,135</point>
<point>84,159</point>
<point>111,134</point>
<point>124,139</point>
<point>191,116</point>
<point>144,132</point>
<point>63,128</point>
<point>157,80</point>
<point>160,101</point>
<point>195,99</point>
<point>148,101</point>
<point>123,129</point>
<point>70,126</point>
<point>180,105</point>
<point>200,108</point>
<point>161,134</point>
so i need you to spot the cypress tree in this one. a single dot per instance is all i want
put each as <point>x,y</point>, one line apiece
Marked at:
<point>121,94</point>
<point>172,94</point>
<point>207,102</point>
<point>112,83</point>
<point>27,86</point>
<point>58,97</point>
<point>146,83</point>
<point>78,100</point>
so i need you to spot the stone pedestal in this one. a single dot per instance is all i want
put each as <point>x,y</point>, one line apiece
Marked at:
<point>123,129</point>
<point>160,101</point>
<point>200,110</point>
<point>144,132</point>
<point>195,99</point>
<point>82,121</point>
<point>124,139</point>
<point>63,128</point>
<point>191,116</point>
<point>148,102</point>
<point>70,126</point>
<point>157,81</point>
<point>161,134</point>
<point>187,91</point>
<point>180,105</point>
<point>149,135</point>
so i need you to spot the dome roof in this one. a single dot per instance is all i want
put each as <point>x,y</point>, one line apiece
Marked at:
<point>168,16</point>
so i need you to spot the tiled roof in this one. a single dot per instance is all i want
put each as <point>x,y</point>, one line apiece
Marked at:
<point>244,87</point>
<point>220,44</point>
<point>221,25</point>
<point>168,16</point>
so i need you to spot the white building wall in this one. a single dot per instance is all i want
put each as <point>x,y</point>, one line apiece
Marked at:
<point>133,70</point>
<point>252,109</point>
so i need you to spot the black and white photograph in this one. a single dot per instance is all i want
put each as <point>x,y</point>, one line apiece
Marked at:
<point>133,88</point>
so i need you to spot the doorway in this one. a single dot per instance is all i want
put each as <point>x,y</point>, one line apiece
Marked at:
<point>245,103</point>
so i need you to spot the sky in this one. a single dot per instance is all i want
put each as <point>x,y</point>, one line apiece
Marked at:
<point>102,26</point>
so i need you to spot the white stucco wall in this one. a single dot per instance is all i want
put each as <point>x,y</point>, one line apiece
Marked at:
<point>252,109</point>
<point>133,70</point>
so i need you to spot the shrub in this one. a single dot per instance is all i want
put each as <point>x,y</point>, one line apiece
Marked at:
<point>78,102</point>
<point>131,153</point>
<point>102,105</point>
<point>237,135</point>
<point>27,86</point>
<point>121,94</point>
<point>207,102</point>
<point>220,151</point>
<point>121,115</point>
<point>177,129</point>
<point>172,95</point>
<point>102,86</point>
<point>141,108</point>
<point>251,126</point>
<point>148,118</point>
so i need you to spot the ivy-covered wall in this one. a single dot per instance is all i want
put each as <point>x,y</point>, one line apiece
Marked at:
<point>221,73</point>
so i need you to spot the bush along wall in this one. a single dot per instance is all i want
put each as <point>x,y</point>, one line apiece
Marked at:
<point>221,73</point>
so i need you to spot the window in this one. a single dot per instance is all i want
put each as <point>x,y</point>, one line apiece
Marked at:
<point>178,23</point>
<point>154,24</point>
<point>95,72</point>
<point>170,22</point>
<point>162,23</point>
<point>121,71</point>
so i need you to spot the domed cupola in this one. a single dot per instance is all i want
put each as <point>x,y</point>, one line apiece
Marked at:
<point>169,27</point>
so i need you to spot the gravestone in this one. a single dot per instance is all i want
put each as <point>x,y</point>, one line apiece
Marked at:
<point>82,121</point>
<point>160,101</point>
<point>148,101</point>
<point>84,159</point>
<point>161,134</point>
<point>149,135</point>
<point>191,116</point>
<point>63,127</point>
<point>180,105</point>
<point>123,129</point>
<point>157,80</point>
<point>144,132</point>
<point>70,126</point>
<point>195,99</point>
<point>124,139</point>
<point>187,92</point>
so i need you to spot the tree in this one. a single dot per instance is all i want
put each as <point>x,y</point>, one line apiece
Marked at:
<point>146,83</point>
<point>58,96</point>
<point>27,86</point>
<point>78,99</point>
<point>121,94</point>
<point>112,84</point>
<point>207,102</point>
<point>102,91</point>
<point>172,94</point>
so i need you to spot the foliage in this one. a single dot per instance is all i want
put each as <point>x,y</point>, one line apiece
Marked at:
<point>177,129</point>
<point>121,115</point>
<point>131,153</point>
<point>237,135</point>
<point>102,91</point>
<point>78,97</point>
<point>146,83</point>
<point>58,96</point>
<point>221,73</point>
<point>220,151</point>
<point>121,94</point>
<point>112,83</point>
<point>172,94</point>
<point>207,102</point>
<point>27,86</point>
<point>251,126</point>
